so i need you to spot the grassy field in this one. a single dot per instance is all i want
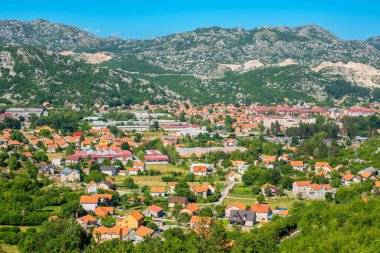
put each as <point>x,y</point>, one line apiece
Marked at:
<point>55,210</point>
<point>241,191</point>
<point>55,155</point>
<point>8,248</point>
<point>274,202</point>
<point>165,170</point>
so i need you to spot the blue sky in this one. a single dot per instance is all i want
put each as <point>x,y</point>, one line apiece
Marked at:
<point>140,19</point>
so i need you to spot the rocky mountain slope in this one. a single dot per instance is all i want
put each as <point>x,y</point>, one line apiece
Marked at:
<point>30,76</point>
<point>228,65</point>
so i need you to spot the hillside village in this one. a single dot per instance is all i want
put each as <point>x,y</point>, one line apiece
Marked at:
<point>136,172</point>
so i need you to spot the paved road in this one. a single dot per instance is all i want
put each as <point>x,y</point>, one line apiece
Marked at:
<point>223,196</point>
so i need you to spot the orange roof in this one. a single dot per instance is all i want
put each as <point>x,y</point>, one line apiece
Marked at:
<point>270,185</point>
<point>200,168</point>
<point>377,184</point>
<point>158,189</point>
<point>238,205</point>
<point>125,231</point>
<point>155,208</point>
<point>260,208</point>
<point>28,154</point>
<point>14,142</point>
<point>317,187</point>
<point>144,231</point>
<point>302,183</point>
<point>87,218</point>
<point>137,215</point>
<point>104,230</point>
<point>104,210</point>
<point>193,207</point>
<point>89,199</point>
<point>321,164</point>
<point>134,169</point>
<point>91,183</point>
<point>366,174</point>
<point>230,174</point>
<point>296,163</point>
<point>348,177</point>
<point>197,219</point>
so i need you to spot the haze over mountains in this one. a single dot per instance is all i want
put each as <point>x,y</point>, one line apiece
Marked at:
<point>206,65</point>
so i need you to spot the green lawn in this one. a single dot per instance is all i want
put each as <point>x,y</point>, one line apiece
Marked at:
<point>55,210</point>
<point>241,191</point>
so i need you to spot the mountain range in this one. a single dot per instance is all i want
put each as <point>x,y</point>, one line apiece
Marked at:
<point>45,61</point>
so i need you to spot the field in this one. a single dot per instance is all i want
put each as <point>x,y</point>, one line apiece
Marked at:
<point>8,248</point>
<point>165,170</point>
<point>55,155</point>
<point>241,191</point>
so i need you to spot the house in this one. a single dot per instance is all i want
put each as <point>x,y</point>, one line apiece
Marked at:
<point>233,177</point>
<point>190,209</point>
<point>87,222</point>
<point>268,159</point>
<point>47,170</point>
<point>242,168</point>
<point>311,191</point>
<point>242,217</point>
<point>231,143</point>
<point>297,165</point>
<point>70,175</point>
<point>349,178</point>
<point>158,191</point>
<point>203,191</point>
<point>106,185</point>
<point>263,212</point>
<point>368,173</point>
<point>177,200</point>
<point>203,169</point>
<point>155,157</point>
<point>318,191</point>
<point>234,207</point>
<point>92,187</point>
<point>154,211</point>
<point>108,170</point>
<point>133,171</point>
<point>197,221</point>
<point>103,233</point>
<point>273,189</point>
<point>89,203</point>
<point>300,187</point>
<point>143,232</point>
<point>132,220</point>
<point>139,165</point>
<point>103,211</point>
<point>127,234</point>
<point>323,166</point>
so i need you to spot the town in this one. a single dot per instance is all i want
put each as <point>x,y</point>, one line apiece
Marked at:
<point>134,172</point>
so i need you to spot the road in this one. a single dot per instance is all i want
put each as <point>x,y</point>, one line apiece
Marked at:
<point>223,196</point>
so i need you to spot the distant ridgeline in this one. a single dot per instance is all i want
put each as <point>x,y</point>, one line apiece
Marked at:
<point>42,61</point>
